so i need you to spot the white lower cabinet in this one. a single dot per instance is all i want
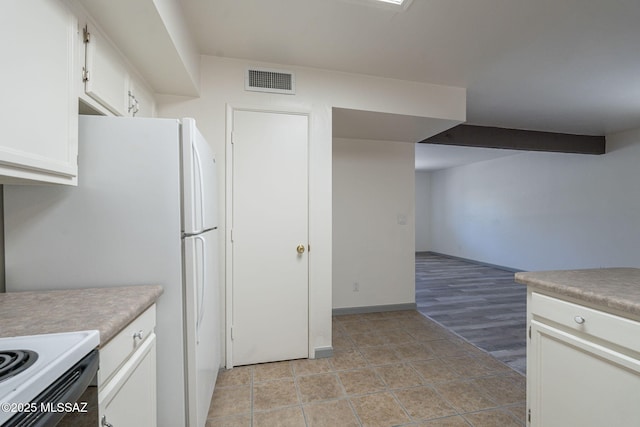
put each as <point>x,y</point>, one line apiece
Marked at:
<point>127,376</point>
<point>583,365</point>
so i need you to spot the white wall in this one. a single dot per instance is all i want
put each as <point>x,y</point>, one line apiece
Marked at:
<point>373,223</point>
<point>423,210</point>
<point>539,211</point>
<point>176,25</point>
<point>318,91</point>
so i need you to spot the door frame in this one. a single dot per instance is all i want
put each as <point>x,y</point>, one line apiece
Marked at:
<point>228,247</point>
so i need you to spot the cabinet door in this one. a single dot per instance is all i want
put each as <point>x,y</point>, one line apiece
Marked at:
<point>575,382</point>
<point>106,77</point>
<point>129,398</point>
<point>39,103</point>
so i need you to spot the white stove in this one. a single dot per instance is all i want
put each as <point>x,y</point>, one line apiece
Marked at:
<point>47,357</point>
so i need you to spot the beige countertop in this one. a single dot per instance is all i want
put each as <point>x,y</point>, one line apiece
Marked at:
<point>108,310</point>
<point>615,288</point>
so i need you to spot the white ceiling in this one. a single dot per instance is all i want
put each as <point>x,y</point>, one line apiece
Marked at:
<point>570,66</point>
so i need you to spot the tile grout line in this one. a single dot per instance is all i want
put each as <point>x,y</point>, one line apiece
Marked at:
<point>299,393</point>
<point>251,382</point>
<point>428,341</point>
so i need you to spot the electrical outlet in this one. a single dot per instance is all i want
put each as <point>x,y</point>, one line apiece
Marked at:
<point>356,287</point>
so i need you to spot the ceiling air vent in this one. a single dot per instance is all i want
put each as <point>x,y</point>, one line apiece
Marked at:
<point>268,80</point>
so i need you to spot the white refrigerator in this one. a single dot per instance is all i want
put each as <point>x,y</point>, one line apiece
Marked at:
<point>144,212</point>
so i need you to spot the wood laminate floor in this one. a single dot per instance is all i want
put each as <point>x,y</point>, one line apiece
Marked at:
<point>479,303</point>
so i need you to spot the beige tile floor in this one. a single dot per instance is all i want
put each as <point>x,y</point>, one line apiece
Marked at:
<point>388,369</point>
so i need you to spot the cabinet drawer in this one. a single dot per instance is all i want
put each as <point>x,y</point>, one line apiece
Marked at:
<point>129,398</point>
<point>119,349</point>
<point>596,323</point>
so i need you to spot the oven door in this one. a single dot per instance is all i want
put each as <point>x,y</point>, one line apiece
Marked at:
<point>71,396</point>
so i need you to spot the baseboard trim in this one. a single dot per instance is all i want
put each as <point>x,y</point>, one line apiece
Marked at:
<point>323,352</point>
<point>473,261</point>
<point>374,308</point>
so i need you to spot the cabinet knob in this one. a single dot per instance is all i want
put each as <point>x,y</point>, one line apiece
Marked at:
<point>104,422</point>
<point>138,335</point>
<point>579,320</point>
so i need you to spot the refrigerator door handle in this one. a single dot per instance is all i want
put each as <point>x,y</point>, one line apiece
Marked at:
<point>200,292</point>
<point>198,233</point>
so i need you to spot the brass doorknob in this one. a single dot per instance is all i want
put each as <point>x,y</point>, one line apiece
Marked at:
<point>300,249</point>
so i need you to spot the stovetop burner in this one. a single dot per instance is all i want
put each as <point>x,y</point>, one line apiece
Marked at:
<point>12,362</point>
<point>52,355</point>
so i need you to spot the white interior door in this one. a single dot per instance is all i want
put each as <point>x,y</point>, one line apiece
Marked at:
<point>269,237</point>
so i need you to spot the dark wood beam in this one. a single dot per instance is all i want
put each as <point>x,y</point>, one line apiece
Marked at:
<point>515,139</point>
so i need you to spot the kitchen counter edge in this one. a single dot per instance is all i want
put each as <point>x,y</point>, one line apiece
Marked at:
<point>108,310</point>
<point>616,289</point>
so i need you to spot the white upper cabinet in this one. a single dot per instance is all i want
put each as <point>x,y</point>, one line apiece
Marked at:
<point>39,102</point>
<point>46,69</point>
<point>104,74</point>
<point>141,101</point>
<point>155,38</point>
<point>108,80</point>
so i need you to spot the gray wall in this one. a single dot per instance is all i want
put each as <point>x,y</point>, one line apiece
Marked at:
<point>423,210</point>
<point>538,211</point>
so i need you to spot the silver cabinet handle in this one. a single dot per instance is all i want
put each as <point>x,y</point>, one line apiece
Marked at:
<point>579,320</point>
<point>104,422</point>
<point>138,335</point>
<point>134,105</point>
